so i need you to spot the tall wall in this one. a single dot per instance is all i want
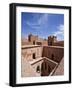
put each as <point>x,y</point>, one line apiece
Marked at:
<point>28,52</point>
<point>46,66</point>
<point>36,65</point>
<point>53,52</point>
<point>27,70</point>
<point>46,53</point>
<point>60,68</point>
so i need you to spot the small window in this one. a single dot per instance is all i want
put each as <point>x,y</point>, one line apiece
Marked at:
<point>33,55</point>
<point>38,69</point>
<point>50,43</point>
<point>33,42</point>
<point>52,57</point>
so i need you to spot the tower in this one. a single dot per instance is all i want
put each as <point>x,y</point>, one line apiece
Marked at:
<point>33,39</point>
<point>51,40</point>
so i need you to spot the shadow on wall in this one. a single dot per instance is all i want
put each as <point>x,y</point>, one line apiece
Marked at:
<point>53,53</point>
<point>45,69</point>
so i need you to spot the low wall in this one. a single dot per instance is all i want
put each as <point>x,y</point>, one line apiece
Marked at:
<point>59,43</point>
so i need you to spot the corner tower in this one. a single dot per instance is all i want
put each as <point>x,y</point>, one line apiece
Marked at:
<point>51,40</point>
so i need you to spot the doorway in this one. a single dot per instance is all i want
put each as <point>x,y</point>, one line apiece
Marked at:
<point>45,69</point>
<point>33,55</point>
<point>52,56</point>
<point>33,42</point>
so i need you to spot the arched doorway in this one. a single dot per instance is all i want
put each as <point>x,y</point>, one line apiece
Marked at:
<point>45,69</point>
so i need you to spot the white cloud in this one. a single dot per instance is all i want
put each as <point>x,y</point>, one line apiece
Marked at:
<point>39,22</point>
<point>60,32</point>
<point>43,19</point>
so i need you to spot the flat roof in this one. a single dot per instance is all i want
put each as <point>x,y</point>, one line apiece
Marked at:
<point>30,46</point>
<point>55,46</point>
<point>33,46</point>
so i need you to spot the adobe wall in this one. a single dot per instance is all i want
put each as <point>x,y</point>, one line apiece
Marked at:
<point>60,68</point>
<point>27,43</point>
<point>36,65</point>
<point>28,52</point>
<point>55,51</point>
<point>51,40</point>
<point>48,62</point>
<point>27,70</point>
<point>45,43</point>
<point>59,43</point>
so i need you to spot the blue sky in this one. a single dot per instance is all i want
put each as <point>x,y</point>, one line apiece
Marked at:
<point>42,24</point>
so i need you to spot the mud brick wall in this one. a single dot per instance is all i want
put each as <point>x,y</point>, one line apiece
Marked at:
<point>53,52</point>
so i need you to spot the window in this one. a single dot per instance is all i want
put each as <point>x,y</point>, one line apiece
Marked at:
<point>38,69</point>
<point>33,55</point>
<point>52,57</point>
<point>50,43</point>
<point>33,42</point>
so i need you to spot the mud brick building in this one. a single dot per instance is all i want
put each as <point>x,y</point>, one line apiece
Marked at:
<point>41,57</point>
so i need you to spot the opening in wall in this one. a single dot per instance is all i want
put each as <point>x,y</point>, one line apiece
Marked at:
<point>52,56</point>
<point>33,42</point>
<point>38,69</point>
<point>33,55</point>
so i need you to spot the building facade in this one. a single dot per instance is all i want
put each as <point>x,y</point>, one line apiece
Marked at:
<point>43,60</point>
<point>42,57</point>
<point>35,40</point>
